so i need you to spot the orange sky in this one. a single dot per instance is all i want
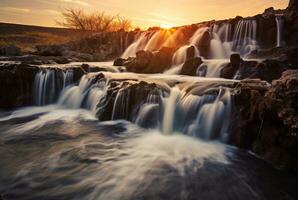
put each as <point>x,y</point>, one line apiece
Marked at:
<point>143,13</point>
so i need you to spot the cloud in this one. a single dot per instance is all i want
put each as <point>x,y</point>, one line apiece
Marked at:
<point>78,2</point>
<point>15,10</point>
<point>52,12</point>
<point>167,18</point>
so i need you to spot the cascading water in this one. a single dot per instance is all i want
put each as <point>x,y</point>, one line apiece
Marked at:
<point>180,55</point>
<point>171,111</point>
<point>245,37</point>
<point>212,121</point>
<point>49,83</point>
<point>156,40</point>
<point>86,95</point>
<point>243,40</point>
<point>158,135</point>
<point>206,116</point>
<point>211,68</point>
<point>139,44</point>
<point>279,25</point>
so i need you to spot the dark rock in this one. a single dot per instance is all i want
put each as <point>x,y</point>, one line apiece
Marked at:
<point>190,66</point>
<point>78,72</point>
<point>38,60</point>
<point>266,119</point>
<point>247,69</point>
<point>293,5</point>
<point>85,67</point>
<point>267,31</point>
<point>204,44</point>
<point>270,69</point>
<point>132,94</point>
<point>230,70</point>
<point>16,85</point>
<point>161,60</point>
<point>119,62</point>
<point>10,51</point>
<point>50,50</point>
<point>150,62</point>
<point>190,53</point>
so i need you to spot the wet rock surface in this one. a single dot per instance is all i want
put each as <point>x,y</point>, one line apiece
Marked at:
<point>267,119</point>
<point>190,66</point>
<point>147,61</point>
<point>267,70</point>
<point>16,83</point>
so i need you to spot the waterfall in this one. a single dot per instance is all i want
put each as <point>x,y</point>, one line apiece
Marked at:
<point>205,116</point>
<point>279,25</point>
<point>121,104</point>
<point>156,40</point>
<point>212,68</point>
<point>245,37</point>
<point>49,83</point>
<point>217,49</point>
<point>242,41</point>
<point>171,110</point>
<point>136,46</point>
<point>212,121</point>
<point>85,95</point>
<point>180,55</point>
<point>174,39</point>
<point>197,36</point>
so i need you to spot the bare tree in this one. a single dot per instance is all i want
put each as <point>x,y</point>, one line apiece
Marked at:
<point>123,23</point>
<point>73,18</point>
<point>98,21</point>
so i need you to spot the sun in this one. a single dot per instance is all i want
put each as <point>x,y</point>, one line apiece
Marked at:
<point>166,26</point>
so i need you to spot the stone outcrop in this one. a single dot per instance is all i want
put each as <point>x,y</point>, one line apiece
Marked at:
<point>231,69</point>
<point>190,66</point>
<point>16,83</point>
<point>148,62</point>
<point>124,97</point>
<point>267,70</point>
<point>10,51</point>
<point>267,119</point>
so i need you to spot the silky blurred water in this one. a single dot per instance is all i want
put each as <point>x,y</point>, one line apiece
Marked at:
<point>56,153</point>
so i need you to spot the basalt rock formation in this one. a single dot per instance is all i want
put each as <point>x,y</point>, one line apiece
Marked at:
<point>17,82</point>
<point>190,66</point>
<point>148,62</point>
<point>267,70</point>
<point>266,119</point>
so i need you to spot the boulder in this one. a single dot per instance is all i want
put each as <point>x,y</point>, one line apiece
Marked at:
<point>190,53</point>
<point>204,44</point>
<point>160,61</point>
<point>231,69</point>
<point>190,66</point>
<point>85,67</point>
<point>150,62</point>
<point>119,62</point>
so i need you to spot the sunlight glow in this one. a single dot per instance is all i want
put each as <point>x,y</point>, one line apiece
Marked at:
<point>166,26</point>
